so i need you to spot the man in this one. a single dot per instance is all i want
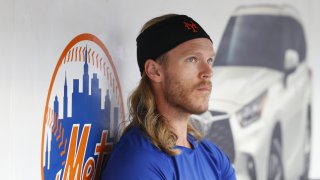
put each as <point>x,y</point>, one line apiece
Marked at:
<point>175,57</point>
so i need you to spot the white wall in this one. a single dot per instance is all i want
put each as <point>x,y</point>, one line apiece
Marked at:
<point>34,33</point>
<point>6,96</point>
<point>314,55</point>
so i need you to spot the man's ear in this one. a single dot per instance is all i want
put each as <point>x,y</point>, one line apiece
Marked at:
<point>153,70</point>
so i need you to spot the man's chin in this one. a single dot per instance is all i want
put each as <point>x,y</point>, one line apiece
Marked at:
<point>200,110</point>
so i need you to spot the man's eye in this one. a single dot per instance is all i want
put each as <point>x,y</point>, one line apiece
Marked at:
<point>192,59</point>
<point>210,61</point>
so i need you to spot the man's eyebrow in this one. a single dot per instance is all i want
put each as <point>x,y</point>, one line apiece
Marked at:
<point>188,52</point>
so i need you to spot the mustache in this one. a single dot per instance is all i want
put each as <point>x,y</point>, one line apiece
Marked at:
<point>204,84</point>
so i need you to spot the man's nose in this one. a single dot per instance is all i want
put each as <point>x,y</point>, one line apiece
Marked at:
<point>206,71</point>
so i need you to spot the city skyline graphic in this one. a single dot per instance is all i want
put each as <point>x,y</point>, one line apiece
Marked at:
<point>88,115</point>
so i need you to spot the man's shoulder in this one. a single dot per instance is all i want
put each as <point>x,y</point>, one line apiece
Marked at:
<point>135,155</point>
<point>219,157</point>
<point>137,151</point>
<point>133,139</point>
<point>209,146</point>
<point>213,150</point>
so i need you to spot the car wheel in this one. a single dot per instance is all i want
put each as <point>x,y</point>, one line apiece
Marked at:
<point>275,167</point>
<point>307,148</point>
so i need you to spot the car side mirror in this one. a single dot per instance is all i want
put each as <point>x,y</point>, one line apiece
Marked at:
<point>291,62</point>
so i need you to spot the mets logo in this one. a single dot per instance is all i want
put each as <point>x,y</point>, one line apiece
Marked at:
<point>83,113</point>
<point>191,26</point>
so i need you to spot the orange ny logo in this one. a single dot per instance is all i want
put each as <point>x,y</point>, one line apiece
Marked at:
<point>191,26</point>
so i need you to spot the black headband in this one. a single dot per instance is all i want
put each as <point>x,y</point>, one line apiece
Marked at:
<point>165,35</point>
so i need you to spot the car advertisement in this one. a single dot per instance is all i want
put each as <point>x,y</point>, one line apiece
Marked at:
<point>261,71</point>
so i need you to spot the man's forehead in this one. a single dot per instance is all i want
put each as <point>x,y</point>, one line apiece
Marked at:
<point>196,46</point>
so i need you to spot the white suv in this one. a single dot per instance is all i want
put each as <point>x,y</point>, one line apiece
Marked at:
<point>260,108</point>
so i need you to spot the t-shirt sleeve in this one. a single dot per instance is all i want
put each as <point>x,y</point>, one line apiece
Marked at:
<point>223,162</point>
<point>136,164</point>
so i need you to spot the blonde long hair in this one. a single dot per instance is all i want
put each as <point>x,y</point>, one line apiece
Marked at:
<point>144,114</point>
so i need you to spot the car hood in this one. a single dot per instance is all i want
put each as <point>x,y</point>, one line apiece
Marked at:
<point>239,85</point>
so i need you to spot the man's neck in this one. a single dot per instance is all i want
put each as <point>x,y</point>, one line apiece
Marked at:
<point>180,128</point>
<point>179,123</point>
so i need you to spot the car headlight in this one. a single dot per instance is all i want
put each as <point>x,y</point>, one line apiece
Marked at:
<point>252,111</point>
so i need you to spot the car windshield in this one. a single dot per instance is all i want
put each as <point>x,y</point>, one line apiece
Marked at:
<point>252,40</point>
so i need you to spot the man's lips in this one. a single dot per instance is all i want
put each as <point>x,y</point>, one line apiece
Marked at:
<point>205,86</point>
<point>208,88</point>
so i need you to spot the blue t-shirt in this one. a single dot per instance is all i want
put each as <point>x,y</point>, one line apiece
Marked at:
<point>134,157</point>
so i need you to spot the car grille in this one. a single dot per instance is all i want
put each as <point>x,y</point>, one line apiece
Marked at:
<point>220,133</point>
<point>217,113</point>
